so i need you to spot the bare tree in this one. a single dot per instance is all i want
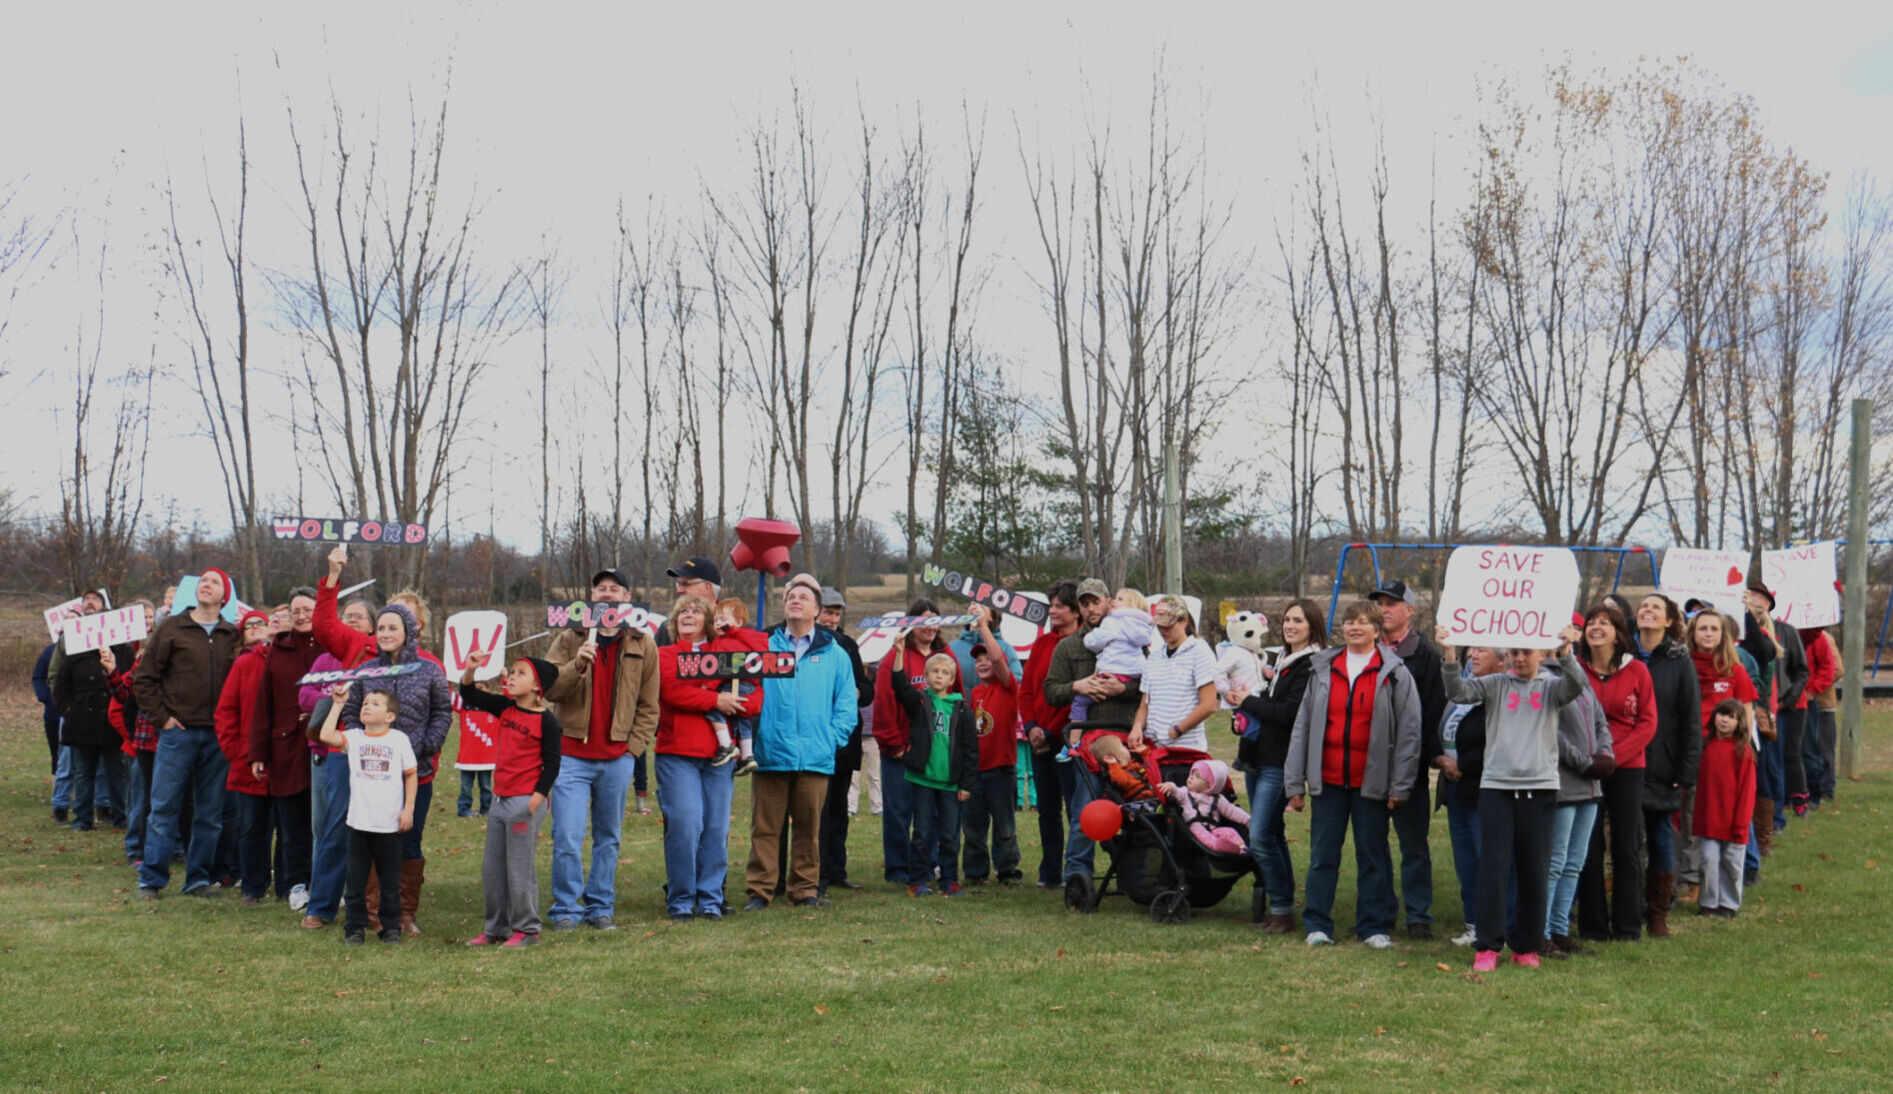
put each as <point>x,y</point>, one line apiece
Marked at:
<point>545,286</point>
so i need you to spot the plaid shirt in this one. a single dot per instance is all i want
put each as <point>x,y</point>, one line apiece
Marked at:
<point>144,735</point>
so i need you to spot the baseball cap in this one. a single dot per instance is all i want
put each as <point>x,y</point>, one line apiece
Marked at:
<point>832,598</point>
<point>1394,590</point>
<point>978,648</point>
<point>615,575</point>
<point>697,569</point>
<point>1091,586</point>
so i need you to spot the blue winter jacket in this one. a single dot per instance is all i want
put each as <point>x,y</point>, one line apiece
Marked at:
<point>806,717</point>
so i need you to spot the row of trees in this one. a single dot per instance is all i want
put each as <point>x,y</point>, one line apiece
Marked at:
<point>1624,313</point>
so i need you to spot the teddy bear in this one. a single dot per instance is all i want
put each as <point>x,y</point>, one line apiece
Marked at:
<point>1238,662</point>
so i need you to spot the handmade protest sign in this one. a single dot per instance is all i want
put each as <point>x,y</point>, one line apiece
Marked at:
<point>1802,579</point>
<point>1016,632</point>
<point>1511,597</point>
<point>56,616</point>
<point>735,664</point>
<point>1718,578</point>
<point>186,598</point>
<point>365,672</point>
<point>470,631</point>
<point>996,597</point>
<point>915,621</point>
<point>876,641</point>
<point>585,614</point>
<point>343,530</point>
<point>91,632</point>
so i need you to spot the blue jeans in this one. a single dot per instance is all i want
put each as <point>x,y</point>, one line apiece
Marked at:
<point>1570,845</point>
<point>256,822</point>
<point>1462,824</point>
<point>936,835</point>
<point>1771,778</point>
<point>1331,813</point>
<point>695,798</point>
<point>1268,839</point>
<point>1656,822</point>
<point>468,780</point>
<point>1080,851</point>
<point>139,791</point>
<point>1410,823</point>
<point>411,839</point>
<point>189,763</point>
<point>1053,782</point>
<point>992,806</point>
<point>897,821</point>
<point>591,790</point>
<point>96,773</point>
<point>328,864</point>
<point>62,779</point>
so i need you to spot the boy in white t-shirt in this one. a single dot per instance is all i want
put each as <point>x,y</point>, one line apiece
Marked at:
<point>381,789</point>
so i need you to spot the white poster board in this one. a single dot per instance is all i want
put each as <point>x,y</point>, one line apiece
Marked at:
<point>1719,578</point>
<point>56,616</point>
<point>469,631</point>
<point>1511,597</point>
<point>1802,579</point>
<point>1018,633</point>
<point>874,644</point>
<point>91,632</point>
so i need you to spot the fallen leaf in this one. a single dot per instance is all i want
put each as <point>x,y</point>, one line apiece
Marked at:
<point>1443,967</point>
<point>1380,1031</point>
<point>161,1078</point>
<point>1288,1048</point>
<point>1061,951</point>
<point>1814,976</point>
<point>819,1009</point>
<point>1060,1006</point>
<point>867,942</point>
<point>1399,964</point>
<point>1298,1081</point>
<point>650,934</point>
<point>427,1040</point>
<point>464,1040</point>
<point>1799,889</point>
<point>340,994</point>
<point>1822,856</point>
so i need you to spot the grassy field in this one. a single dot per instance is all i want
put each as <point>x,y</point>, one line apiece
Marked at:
<point>1002,990</point>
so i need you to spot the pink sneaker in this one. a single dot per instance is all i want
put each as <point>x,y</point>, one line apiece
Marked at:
<point>520,940</point>
<point>1486,961</point>
<point>1529,960</point>
<point>482,940</point>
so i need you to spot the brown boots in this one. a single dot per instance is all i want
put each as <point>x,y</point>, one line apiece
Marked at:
<point>1764,825</point>
<point>413,873</point>
<point>1658,887</point>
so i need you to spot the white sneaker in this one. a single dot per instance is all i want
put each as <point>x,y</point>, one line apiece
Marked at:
<point>1377,942</point>
<point>1468,938</point>
<point>1319,938</point>
<point>298,898</point>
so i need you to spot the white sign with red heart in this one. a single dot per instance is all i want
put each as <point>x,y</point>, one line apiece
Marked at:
<point>1716,577</point>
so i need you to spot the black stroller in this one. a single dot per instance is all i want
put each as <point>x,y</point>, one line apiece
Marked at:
<point>1154,860</point>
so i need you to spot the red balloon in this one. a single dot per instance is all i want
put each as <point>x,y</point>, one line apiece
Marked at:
<point>1101,820</point>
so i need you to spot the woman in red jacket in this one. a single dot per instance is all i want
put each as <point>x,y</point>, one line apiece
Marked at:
<point>1624,688</point>
<point>235,707</point>
<point>1819,739</point>
<point>891,732</point>
<point>1044,727</point>
<point>692,789</point>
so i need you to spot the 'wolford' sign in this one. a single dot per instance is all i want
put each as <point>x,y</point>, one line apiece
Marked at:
<point>1509,596</point>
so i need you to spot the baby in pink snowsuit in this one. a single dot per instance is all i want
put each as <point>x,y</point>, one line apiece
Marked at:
<point>1200,803</point>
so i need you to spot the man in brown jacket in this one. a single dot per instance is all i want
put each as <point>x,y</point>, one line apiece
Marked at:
<point>178,682</point>
<point>606,699</point>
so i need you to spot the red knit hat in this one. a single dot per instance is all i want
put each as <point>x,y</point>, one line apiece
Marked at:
<point>221,576</point>
<point>244,620</point>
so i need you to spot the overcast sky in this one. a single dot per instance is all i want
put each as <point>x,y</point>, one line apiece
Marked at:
<point>560,109</point>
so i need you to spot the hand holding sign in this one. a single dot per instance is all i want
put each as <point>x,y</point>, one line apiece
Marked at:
<point>338,558</point>
<point>1512,597</point>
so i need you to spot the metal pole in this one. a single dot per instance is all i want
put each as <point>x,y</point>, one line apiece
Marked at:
<point>1172,524</point>
<point>762,591</point>
<point>1854,602</point>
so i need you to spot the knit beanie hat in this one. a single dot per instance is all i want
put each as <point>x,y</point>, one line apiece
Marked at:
<point>221,576</point>
<point>244,620</point>
<point>1213,772</point>
<point>543,671</point>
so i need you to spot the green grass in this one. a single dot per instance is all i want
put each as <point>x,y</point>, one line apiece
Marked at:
<point>1003,990</point>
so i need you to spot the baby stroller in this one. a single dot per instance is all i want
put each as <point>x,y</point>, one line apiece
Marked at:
<point>1154,860</point>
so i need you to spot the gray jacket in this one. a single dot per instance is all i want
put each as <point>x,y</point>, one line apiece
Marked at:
<point>1393,741</point>
<point>1521,731</point>
<point>1791,668</point>
<point>1583,732</point>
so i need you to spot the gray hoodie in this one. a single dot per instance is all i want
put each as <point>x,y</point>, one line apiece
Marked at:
<point>1583,732</point>
<point>1521,733</point>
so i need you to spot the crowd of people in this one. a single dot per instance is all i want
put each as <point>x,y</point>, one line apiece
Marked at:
<point>1588,791</point>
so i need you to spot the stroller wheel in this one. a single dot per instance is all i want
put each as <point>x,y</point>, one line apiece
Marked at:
<point>1080,894</point>
<point>1170,907</point>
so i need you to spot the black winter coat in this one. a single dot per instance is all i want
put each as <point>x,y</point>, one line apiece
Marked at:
<point>962,735</point>
<point>1670,760</point>
<point>1274,712</point>
<point>84,697</point>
